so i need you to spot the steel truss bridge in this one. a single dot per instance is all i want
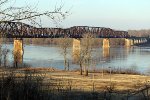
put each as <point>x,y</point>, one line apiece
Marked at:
<point>18,31</point>
<point>22,30</point>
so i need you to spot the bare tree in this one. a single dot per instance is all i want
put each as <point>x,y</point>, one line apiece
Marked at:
<point>81,60</point>
<point>64,46</point>
<point>109,89</point>
<point>0,50</point>
<point>86,52</point>
<point>0,55</point>
<point>9,12</point>
<point>5,52</point>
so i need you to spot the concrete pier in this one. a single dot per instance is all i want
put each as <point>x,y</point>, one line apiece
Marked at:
<point>18,51</point>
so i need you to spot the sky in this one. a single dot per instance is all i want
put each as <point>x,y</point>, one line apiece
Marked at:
<point>115,14</point>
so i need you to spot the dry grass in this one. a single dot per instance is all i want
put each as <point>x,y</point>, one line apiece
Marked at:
<point>53,83</point>
<point>122,82</point>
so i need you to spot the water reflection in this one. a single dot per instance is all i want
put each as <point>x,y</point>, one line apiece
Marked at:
<point>106,52</point>
<point>137,58</point>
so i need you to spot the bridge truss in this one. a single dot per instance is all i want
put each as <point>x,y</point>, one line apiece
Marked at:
<point>22,30</point>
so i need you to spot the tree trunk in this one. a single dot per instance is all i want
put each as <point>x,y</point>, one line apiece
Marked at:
<point>0,61</point>
<point>65,62</point>
<point>16,64</point>
<point>0,55</point>
<point>88,64</point>
<point>86,72</point>
<point>68,65</point>
<point>4,60</point>
<point>80,69</point>
<point>84,69</point>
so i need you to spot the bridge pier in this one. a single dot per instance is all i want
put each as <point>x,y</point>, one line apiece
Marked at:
<point>139,41</point>
<point>18,52</point>
<point>142,40</point>
<point>128,43</point>
<point>106,47</point>
<point>132,42</point>
<point>145,40</point>
<point>76,50</point>
<point>135,41</point>
<point>106,43</point>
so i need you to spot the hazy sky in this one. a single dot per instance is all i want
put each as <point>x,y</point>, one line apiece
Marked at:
<point>117,14</point>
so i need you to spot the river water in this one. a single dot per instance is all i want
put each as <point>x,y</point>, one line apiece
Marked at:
<point>136,58</point>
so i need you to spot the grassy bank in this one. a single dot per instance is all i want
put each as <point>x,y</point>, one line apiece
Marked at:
<point>54,84</point>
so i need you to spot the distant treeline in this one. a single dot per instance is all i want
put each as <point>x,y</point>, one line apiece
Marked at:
<point>139,33</point>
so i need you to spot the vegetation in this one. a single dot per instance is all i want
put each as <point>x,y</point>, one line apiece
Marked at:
<point>64,45</point>
<point>33,84</point>
<point>139,33</point>
<point>128,71</point>
<point>28,13</point>
<point>24,87</point>
<point>86,52</point>
<point>3,56</point>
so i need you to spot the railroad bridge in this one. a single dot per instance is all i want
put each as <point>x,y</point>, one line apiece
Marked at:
<point>19,30</point>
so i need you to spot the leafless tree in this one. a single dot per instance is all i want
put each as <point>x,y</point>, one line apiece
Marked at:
<point>86,52</point>
<point>5,56</point>
<point>81,60</point>
<point>145,90</point>
<point>64,47</point>
<point>10,12</point>
<point>0,55</point>
<point>0,50</point>
<point>109,90</point>
<point>3,52</point>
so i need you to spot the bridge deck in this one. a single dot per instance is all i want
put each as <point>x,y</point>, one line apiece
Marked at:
<point>22,30</point>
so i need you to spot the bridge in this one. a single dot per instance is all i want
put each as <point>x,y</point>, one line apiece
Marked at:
<point>19,30</point>
<point>22,30</point>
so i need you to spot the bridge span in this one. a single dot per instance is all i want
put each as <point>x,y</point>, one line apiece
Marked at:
<point>18,31</point>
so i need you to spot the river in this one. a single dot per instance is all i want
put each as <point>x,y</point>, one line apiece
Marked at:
<point>136,58</point>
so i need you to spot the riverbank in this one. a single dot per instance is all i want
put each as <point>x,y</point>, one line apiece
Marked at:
<point>55,84</point>
<point>99,81</point>
<point>94,81</point>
